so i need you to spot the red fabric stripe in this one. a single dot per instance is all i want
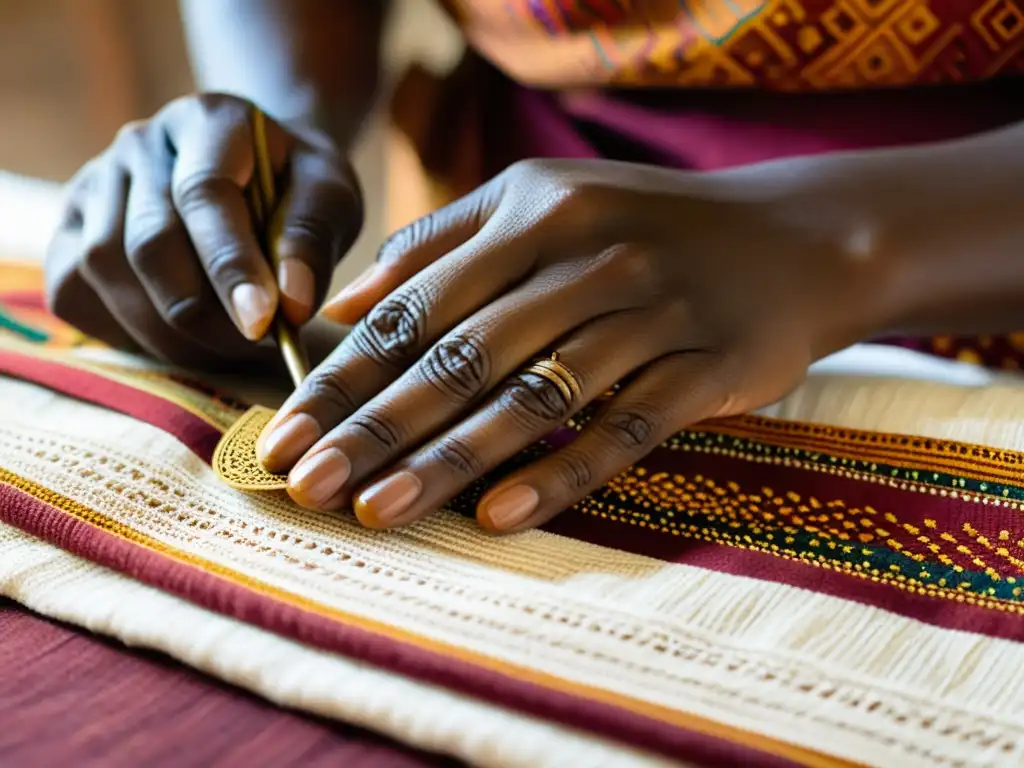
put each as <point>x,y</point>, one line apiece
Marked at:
<point>71,698</point>
<point>53,525</point>
<point>939,612</point>
<point>24,300</point>
<point>202,437</point>
<point>195,433</point>
<point>908,506</point>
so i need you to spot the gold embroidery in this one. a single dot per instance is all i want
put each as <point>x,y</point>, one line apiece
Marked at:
<point>234,459</point>
<point>825,534</point>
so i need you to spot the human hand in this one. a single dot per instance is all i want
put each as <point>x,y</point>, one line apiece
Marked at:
<point>157,248</point>
<point>705,296</point>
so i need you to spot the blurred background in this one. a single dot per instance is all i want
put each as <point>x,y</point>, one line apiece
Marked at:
<point>73,71</point>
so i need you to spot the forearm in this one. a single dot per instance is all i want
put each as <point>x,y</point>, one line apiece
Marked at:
<point>314,63</point>
<point>933,236</point>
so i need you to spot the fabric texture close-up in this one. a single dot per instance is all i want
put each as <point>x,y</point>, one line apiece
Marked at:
<point>834,582</point>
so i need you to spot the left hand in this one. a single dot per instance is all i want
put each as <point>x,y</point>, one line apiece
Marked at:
<point>709,294</point>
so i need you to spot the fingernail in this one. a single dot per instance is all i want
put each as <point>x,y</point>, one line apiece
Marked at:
<point>354,287</point>
<point>297,284</point>
<point>283,444</point>
<point>319,478</point>
<point>510,508</point>
<point>383,504</point>
<point>254,308</point>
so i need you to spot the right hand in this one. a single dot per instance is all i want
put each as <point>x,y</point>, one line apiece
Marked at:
<point>157,250</point>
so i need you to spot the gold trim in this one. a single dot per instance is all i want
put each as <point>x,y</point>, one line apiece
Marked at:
<point>234,459</point>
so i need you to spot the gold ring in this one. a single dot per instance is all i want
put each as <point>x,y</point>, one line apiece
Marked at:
<point>552,369</point>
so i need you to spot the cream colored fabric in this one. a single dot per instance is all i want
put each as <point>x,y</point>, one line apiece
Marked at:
<point>57,584</point>
<point>828,674</point>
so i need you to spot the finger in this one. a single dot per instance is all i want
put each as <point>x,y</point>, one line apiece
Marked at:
<point>105,268</point>
<point>413,248</point>
<point>70,298</point>
<point>158,247</point>
<point>215,162</point>
<point>394,335</point>
<point>672,393</point>
<point>456,373</point>
<point>317,223</point>
<point>527,408</point>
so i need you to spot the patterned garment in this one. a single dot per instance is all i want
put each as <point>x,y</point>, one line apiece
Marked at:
<point>785,45</point>
<point>756,592</point>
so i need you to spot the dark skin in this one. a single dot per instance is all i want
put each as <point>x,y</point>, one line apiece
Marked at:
<point>707,294</point>
<point>157,250</point>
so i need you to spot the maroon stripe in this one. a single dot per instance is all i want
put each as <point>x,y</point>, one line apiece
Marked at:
<point>71,698</point>
<point>950,515</point>
<point>939,612</point>
<point>61,529</point>
<point>201,437</point>
<point>196,434</point>
<point>24,300</point>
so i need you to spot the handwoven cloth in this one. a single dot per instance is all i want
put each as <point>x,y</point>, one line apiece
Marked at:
<point>70,698</point>
<point>759,591</point>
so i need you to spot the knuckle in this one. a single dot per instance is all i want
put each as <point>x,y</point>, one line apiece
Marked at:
<point>458,367</point>
<point>211,101</point>
<point>528,170</point>
<point>379,428</point>
<point>407,238</point>
<point>198,190</point>
<point>97,259</point>
<point>147,233</point>
<point>574,471</point>
<point>131,137</point>
<point>188,312</point>
<point>213,104</point>
<point>576,204</point>
<point>181,104</point>
<point>394,331</point>
<point>330,389</point>
<point>313,230</point>
<point>224,259</point>
<point>534,402</point>
<point>677,313</point>
<point>630,429</point>
<point>459,456</point>
<point>635,267</point>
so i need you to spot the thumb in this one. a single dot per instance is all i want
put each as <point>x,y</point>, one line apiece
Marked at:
<point>414,248</point>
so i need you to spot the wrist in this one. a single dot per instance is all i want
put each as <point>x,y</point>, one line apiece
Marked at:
<point>944,225</point>
<point>852,282</point>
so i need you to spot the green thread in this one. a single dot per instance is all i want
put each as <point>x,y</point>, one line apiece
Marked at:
<point>10,324</point>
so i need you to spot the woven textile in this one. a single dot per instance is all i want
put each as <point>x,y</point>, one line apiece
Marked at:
<point>764,591</point>
<point>70,698</point>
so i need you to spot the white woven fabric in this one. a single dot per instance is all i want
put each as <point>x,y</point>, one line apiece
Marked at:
<point>831,675</point>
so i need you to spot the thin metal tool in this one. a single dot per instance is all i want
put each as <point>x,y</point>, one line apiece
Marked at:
<point>263,200</point>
